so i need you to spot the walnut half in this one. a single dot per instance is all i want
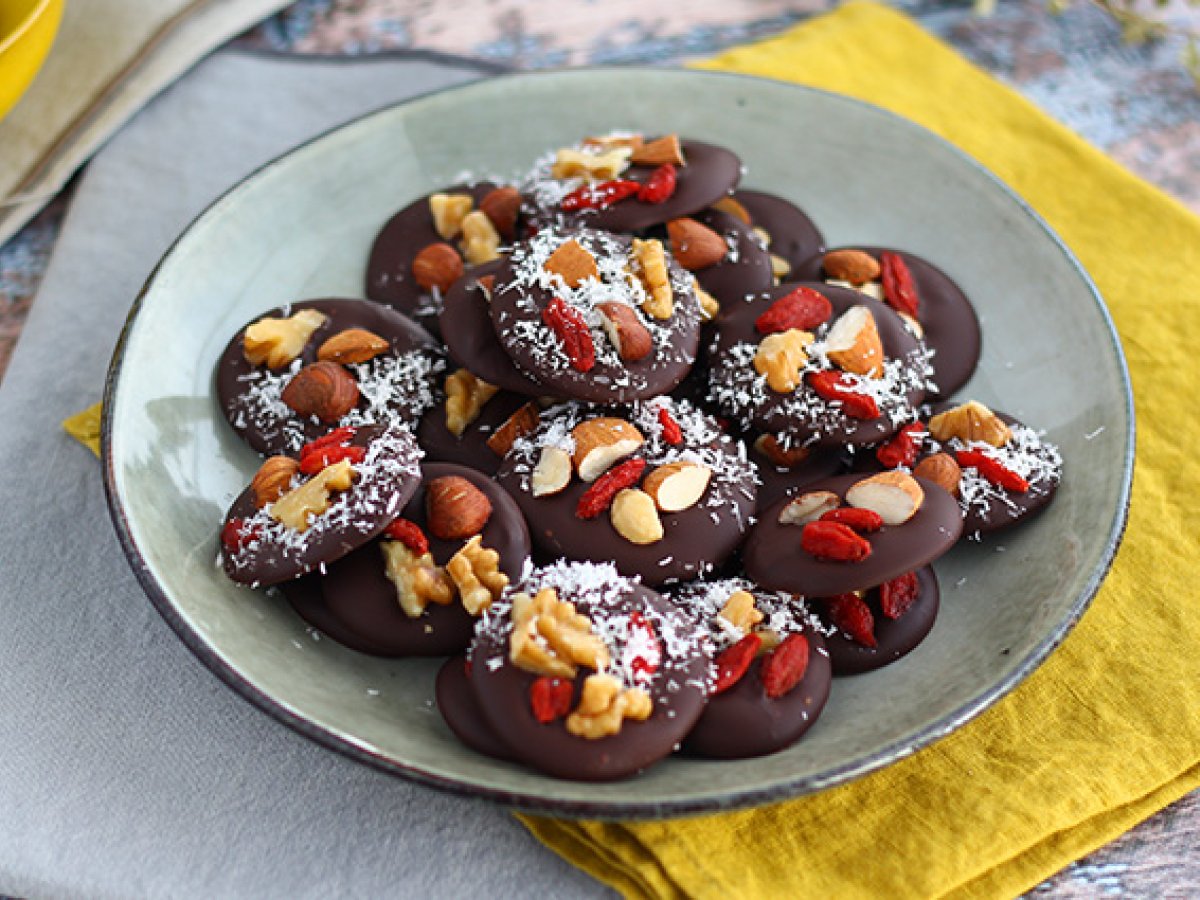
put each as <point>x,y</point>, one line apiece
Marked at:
<point>417,579</point>
<point>550,638</point>
<point>475,571</point>
<point>604,705</point>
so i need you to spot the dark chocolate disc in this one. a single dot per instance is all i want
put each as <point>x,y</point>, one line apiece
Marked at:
<point>524,289</point>
<point>389,268</point>
<point>802,417</point>
<point>471,340</point>
<point>746,268</point>
<point>948,320</point>
<point>304,595</point>
<point>776,481</point>
<point>359,594</point>
<point>257,549</point>
<point>774,559</point>
<point>695,540</point>
<point>457,703</point>
<point>651,645</point>
<point>894,637</point>
<point>470,448</point>
<point>396,386</point>
<point>793,236</point>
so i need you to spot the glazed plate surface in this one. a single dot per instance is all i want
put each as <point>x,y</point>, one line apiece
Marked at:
<point>302,226</point>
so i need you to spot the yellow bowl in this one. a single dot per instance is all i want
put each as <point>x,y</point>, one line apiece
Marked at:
<point>27,29</point>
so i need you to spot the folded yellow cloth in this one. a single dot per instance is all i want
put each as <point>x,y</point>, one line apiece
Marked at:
<point>1108,730</point>
<point>84,426</point>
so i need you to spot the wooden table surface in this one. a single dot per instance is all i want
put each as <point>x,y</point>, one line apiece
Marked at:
<point>1135,102</point>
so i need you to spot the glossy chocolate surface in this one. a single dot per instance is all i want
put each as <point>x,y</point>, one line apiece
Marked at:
<point>793,234</point>
<point>470,448</point>
<point>458,705</point>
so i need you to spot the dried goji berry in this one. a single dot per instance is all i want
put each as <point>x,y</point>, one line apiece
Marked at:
<point>732,662</point>
<point>338,437</point>
<point>315,460</point>
<point>237,533</point>
<point>834,541</point>
<point>897,596</point>
<point>408,533</point>
<point>671,432</point>
<point>993,470</point>
<point>599,496</point>
<point>899,289</point>
<point>659,186</point>
<point>864,521</point>
<point>835,387</point>
<point>599,196</point>
<point>803,308</point>
<point>467,666</point>
<point>902,449</point>
<point>850,613</point>
<point>570,328</point>
<point>785,666</point>
<point>550,698</point>
<point>642,644</point>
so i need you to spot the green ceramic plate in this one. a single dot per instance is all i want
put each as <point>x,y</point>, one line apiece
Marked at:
<point>302,226</point>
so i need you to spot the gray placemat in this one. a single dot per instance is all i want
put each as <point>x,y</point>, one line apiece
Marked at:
<point>128,769</point>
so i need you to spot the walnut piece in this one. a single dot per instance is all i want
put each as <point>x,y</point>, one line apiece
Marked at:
<point>570,163</point>
<point>466,397</point>
<point>448,212</point>
<point>277,342</point>
<point>970,422</point>
<point>475,571</point>
<point>709,307</point>
<point>481,240</point>
<point>780,357</point>
<point>650,268</point>
<point>550,638</point>
<point>740,612</point>
<point>604,705</point>
<point>417,579</point>
<point>313,497</point>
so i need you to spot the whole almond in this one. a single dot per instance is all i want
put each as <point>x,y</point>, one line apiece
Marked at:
<point>322,389</point>
<point>629,336</point>
<point>455,509</point>
<point>354,345</point>
<point>659,152</point>
<point>273,479</point>
<point>695,246</point>
<point>942,469</point>
<point>502,205</point>
<point>519,424</point>
<point>782,458</point>
<point>437,265</point>
<point>853,266</point>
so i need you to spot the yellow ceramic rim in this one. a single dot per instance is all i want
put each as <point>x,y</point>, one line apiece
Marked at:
<point>33,16</point>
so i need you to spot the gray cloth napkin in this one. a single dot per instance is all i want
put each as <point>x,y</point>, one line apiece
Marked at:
<point>128,769</point>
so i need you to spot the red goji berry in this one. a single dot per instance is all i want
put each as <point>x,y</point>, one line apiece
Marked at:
<point>338,437</point>
<point>237,533</point>
<point>550,698</point>
<point>899,289</point>
<point>659,186</point>
<point>467,666</point>
<point>599,196</point>
<point>897,596</point>
<point>733,662</point>
<point>408,533</point>
<point>803,308</point>
<point>834,541</point>
<point>993,470</point>
<point>834,387</point>
<point>315,460</point>
<point>671,432</point>
<point>864,521</point>
<point>903,448</point>
<point>599,496</point>
<point>850,613</point>
<point>570,328</point>
<point>785,666</point>
<point>643,643</point>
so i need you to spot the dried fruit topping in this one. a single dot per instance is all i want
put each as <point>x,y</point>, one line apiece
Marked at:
<point>570,328</point>
<point>237,533</point>
<point>733,662</point>
<point>338,437</point>
<point>970,422</point>
<point>897,596</point>
<point>803,308</point>
<point>455,508</point>
<point>942,470</point>
<point>550,698</point>
<point>850,613</point>
<point>899,288</point>
<point>837,388</point>
<point>408,533</point>
<point>834,542</point>
<point>895,496</point>
<point>853,343</point>
<point>599,497</point>
<point>784,667</point>
<point>695,246</point>
<point>642,646</point>
<point>854,266</point>
<point>321,389</point>
<point>671,432</point>
<point>864,521</point>
<point>659,187</point>
<point>315,460</point>
<point>599,196</point>
<point>437,265</point>
<point>993,470</point>
<point>903,448</point>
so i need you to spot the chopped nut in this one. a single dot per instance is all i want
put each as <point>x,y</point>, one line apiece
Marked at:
<point>604,705</point>
<point>352,346</point>
<point>630,338</point>
<point>915,328</point>
<point>809,507</point>
<point>321,389</point>
<point>770,640</point>
<point>502,205</point>
<point>659,152</point>
<point>780,267</point>
<point>312,498</point>
<point>448,211</point>
<point>475,571</point>
<point>572,263</point>
<point>417,579</point>
<point>942,469</point>
<point>650,268</point>
<point>273,479</point>
<point>734,208</point>
<point>552,473</point>
<point>853,343</point>
<point>764,236</point>
<point>516,426</point>
<point>895,495</point>
<point>694,245</point>
<point>437,266</point>
<point>740,612</point>
<point>780,357</point>
<point>609,141</point>
<point>601,442</point>
<point>481,240</point>
<point>550,638</point>
<point>277,342</point>
<point>466,396</point>
<point>853,266</point>
<point>782,458</point>
<point>709,307</point>
<point>970,422</point>
<point>455,508</point>
<point>569,163</point>
<point>873,289</point>
<point>678,486</point>
<point>635,517</point>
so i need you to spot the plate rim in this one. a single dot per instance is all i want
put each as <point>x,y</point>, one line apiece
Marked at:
<point>889,753</point>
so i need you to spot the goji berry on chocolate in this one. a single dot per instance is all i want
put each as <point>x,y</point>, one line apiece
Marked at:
<point>338,437</point>
<point>836,387</point>
<point>897,596</point>
<point>784,667</point>
<point>659,187</point>
<point>733,662</point>
<point>803,308</point>
<point>570,328</point>
<point>599,196</point>
<point>864,521</point>
<point>315,460</point>
<point>993,470</point>
<point>899,288</point>
<point>850,613</point>
<point>643,642</point>
<point>550,698</point>
<point>834,541</point>
<point>599,497</point>
<point>237,533</point>
<point>671,432</point>
<point>903,448</point>
<point>408,533</point>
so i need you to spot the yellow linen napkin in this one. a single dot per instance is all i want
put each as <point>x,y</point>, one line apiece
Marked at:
<point>1108,730</point>
<point>84,426</point>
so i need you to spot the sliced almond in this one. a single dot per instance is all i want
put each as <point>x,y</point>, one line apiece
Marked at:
<point>678,486</point>
<point>552,473</point>
<point>635,517</point>
<point>872,289</point>
<point>970,422</point>
<point>659,152</point>
<point>448,212</point>
<point>809,507</point>
<point>695,246</point>
<point>572,263</point>
<point>519,424</point>
<point>629,336</point>
<point>853,343</point>
<point>354,345</point>
<point>599,443</point>
<point>895,495</point>
<point>854,266</point>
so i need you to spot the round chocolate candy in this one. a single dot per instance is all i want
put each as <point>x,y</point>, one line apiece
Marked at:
<point>394,383</point>
<point>482,442</point>
<point>304,596</point>
<point>791,234</point>
<point>459,707</point>
<point>784,472</point>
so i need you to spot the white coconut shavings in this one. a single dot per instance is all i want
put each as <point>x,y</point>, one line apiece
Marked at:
<point>1026,454</point>
<point>783,613</point>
